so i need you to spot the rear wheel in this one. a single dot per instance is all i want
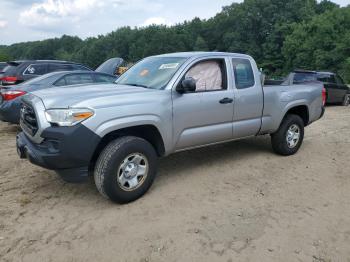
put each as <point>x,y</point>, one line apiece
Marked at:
<point>126,169</point>
<point>346,101</point>
<point>289,137</point>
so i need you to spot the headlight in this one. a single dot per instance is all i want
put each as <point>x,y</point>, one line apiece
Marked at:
<point>68,117</point>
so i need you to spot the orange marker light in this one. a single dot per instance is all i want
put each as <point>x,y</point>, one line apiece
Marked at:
<point>82,115</point>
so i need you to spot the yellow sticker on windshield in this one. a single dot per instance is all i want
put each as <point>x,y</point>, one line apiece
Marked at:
<point>169,66</point>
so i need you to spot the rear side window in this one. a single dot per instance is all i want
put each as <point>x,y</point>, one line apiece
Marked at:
<point>36,69</point>
<point>326,78</point>
<point>11,68</point>
<point>300,78</point>
<point>323,78</point>
<point>77,79</point>
<point>105,79</point>
<point>59,67</point>
<point>243,71</point>
<point>79,67</point>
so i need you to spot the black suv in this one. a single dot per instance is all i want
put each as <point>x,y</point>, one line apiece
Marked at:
<point>19,71</point>
<point>336,90</point>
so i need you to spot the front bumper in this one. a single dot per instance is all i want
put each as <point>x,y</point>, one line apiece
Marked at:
<point>66,150</point>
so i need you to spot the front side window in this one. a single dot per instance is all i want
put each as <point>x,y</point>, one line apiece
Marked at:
<point>332,79</point>
<point>243,71</point>
<point>60,82</point>
<point>210,75</point>
<point>37,69</point>
<point>152,72</point>
<point>104,79</point>
<point>339,80</point>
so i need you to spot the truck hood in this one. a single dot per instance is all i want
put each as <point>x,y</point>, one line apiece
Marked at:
<point>94,96</point>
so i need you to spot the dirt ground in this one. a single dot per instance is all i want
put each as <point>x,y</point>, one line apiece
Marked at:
<point>232,202</point>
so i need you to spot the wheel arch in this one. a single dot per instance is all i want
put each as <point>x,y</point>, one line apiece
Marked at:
<point>148,132</point>
<point>301,110</point>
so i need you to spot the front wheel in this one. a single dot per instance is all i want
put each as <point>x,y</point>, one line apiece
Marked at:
<point>346,100</point>
<point>289,137</point>
<point>126,169</point>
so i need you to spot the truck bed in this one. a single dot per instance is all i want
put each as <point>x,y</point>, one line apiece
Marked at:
<point>278,99</point>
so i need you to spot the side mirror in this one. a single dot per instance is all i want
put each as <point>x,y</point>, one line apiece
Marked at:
<point>187,85</point>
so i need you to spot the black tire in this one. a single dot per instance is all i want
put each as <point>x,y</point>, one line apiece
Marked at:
<point>109,161</point>
<point>279,139</point>
<point>346,100</point>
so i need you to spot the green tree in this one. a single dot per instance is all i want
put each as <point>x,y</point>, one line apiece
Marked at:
<point>279,34</point>
<point>325,5</point>
<point>200,44</point>
<point>321,44</point>
<point>4,56</point>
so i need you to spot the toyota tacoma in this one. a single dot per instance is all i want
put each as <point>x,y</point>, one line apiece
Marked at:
<point>162,105</point>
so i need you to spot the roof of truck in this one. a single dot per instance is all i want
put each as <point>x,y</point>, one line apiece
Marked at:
<point>202,54</point>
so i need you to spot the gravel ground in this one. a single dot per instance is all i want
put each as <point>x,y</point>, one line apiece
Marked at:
<point>232,202</point>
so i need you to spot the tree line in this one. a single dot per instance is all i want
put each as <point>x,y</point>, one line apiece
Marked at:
<point>280,34</point>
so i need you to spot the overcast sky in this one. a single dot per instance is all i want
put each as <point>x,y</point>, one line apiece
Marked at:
<point>27,20</point>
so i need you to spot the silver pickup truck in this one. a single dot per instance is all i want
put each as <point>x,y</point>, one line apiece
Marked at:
<point>162,105</point>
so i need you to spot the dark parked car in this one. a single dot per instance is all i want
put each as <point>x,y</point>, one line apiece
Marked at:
<point>17,72</point>
<point>336,90</point>
<point>10,98</point>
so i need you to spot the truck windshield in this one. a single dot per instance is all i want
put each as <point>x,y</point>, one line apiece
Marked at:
<point>152,72</point>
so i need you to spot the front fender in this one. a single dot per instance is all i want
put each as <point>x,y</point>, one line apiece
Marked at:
<point>116,124</point>
<point>120,123</point>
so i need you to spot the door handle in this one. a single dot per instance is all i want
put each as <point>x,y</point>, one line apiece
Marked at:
<point>226,101</point>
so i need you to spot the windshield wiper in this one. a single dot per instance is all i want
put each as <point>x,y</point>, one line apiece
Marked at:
<point>138,85</point>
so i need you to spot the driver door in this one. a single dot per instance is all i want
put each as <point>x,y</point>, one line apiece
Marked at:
<point>205,116</point>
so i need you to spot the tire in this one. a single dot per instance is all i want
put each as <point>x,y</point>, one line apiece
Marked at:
<point>117,161</point>
<point>279,140</point>
<point>346,100</point>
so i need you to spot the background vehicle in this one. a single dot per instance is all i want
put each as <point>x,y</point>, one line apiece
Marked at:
<point>161,105</point>
<point>336,90</point>
<point>2,66</point>
<point>17,72</point>
<point>10,97</point>
<point>114,66</point>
